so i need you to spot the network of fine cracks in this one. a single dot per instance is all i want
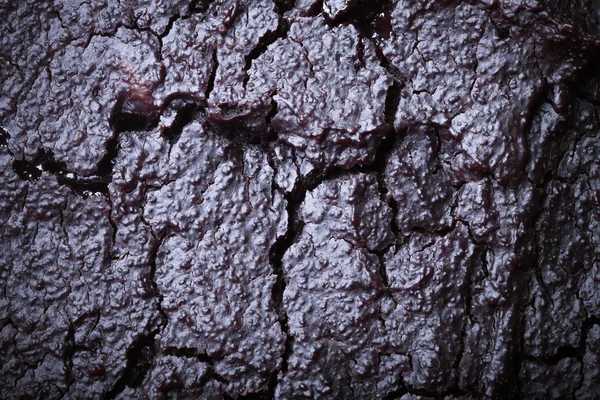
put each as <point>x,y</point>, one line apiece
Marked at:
<point>142,351</point>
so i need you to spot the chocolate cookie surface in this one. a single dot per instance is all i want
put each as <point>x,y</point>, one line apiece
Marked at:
<point>275,199</point>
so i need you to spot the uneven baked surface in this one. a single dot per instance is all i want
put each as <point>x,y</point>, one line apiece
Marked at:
<point>300,199</point>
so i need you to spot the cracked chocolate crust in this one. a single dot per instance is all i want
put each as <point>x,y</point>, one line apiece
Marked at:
<point>279,199</point>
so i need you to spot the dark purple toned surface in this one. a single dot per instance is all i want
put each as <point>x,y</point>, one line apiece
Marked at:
<point>300,199</point>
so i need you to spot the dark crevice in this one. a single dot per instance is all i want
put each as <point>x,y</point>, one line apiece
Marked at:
<point>394,72</point>
<point>152,281</point>
<point>169,27</point>
<point>315,9</point>
<point>128,122</point>
<point>376,166</point>
<point>568,351</point>
<point>140,357</point>
<point>392,102</point>
<point>264,42</point>
<point>44,161</point>
<point>394,224</point>
<point>194,7</point>
<point>67,356</point>
<point>360,55</point>
<point>84,185</point>
<point>98,181</point>
<point>310,182</point>
<point>213,73</point>
<point>396,394</point>
<point>188,352</point>
<point>588,324</point>
<point>26,170</point>
<point>370,17</point>
<point>283,6</point>
<point>441,231</point>
<point>384,151</point>
<point>589,73</point>
<point>237,140</point>
<point>270,115</point>
<point>113,226</point>
<point>185,115</point>
<point>200,6</point>
<point>71,348</point>
<point>277,253</point>
<point>510,382</point>
<point>4,136</point>
<point>562,352</point>
<point>587,98</point>
<point>384,276</point>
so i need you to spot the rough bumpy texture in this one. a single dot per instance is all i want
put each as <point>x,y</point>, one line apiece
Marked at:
<point>278,199</point>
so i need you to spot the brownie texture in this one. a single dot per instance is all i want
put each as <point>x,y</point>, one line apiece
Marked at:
<point>288,199</point>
